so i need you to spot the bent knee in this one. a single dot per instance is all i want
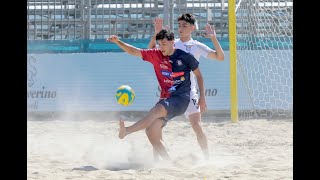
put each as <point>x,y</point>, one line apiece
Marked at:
<point>153,133</point>
<point>148,131</point>
<point>195,119</point>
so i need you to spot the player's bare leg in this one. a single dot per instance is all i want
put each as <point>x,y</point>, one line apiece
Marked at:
<point>156,112</point>
<point>122,130</point>
<point>154,133</point>
<point>195,121</point>
<point>155,154</point>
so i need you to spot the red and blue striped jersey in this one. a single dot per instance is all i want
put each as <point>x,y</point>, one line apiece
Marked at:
<point>173,72</point>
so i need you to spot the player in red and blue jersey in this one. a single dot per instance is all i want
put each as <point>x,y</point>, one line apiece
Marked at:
<point>172,67</point>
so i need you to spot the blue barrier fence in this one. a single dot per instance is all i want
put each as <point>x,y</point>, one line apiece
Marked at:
<point>100,45</point>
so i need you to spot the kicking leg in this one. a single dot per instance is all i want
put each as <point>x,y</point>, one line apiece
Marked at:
<point>195,121</point>
<point>154,133</point>
<point>156,112</point>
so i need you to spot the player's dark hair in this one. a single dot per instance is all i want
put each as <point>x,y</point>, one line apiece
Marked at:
<point>165,33</point>
<point>188,18</point>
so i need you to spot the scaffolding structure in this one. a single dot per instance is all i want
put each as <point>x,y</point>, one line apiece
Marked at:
<point>97,19</point>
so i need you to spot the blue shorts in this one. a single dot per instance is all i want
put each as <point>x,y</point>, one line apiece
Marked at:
<point>175,105</point>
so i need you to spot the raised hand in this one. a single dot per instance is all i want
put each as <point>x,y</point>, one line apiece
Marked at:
<point>158,23</point>
<point>112,38</point>
<point>210,31</point>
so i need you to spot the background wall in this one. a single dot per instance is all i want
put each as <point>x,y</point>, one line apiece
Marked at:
<point>88,82</point>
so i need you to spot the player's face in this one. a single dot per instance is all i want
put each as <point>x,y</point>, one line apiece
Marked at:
<point>185,28</point>
<point>166,46</point>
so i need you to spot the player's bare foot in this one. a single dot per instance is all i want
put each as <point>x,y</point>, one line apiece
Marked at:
<point>122,130</point>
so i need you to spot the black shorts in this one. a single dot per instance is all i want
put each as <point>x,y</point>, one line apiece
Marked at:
<point>175,105</point>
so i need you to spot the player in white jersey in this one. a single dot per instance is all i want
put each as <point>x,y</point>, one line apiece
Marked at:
<point>187,24</point>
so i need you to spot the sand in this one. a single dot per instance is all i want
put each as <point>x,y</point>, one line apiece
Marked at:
<point>66,148</point>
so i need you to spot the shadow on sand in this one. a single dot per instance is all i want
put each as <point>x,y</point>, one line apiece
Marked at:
<point>113,167</point>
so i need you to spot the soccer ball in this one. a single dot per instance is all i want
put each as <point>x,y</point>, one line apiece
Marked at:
<point>125,95</point>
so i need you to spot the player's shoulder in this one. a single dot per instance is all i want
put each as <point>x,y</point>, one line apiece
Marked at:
<point>180,51</point>
<point>191,41</point>
<point>198,43</point>
<point>154,54</point>
<point>183,53</point>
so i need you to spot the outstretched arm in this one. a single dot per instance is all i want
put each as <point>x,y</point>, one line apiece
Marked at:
<point>218,53</point>
<point>124,46</point>
<point>202,101</point>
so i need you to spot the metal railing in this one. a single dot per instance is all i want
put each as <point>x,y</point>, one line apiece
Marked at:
<point>97,19</point>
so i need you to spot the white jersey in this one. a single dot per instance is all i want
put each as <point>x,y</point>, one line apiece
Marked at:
<point>196,49</point>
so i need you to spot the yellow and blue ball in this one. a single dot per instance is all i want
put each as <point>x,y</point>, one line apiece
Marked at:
<point>125,95</point>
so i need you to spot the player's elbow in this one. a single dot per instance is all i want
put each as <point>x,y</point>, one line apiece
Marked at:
<point>216,56</point>
<point>220,57</point>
